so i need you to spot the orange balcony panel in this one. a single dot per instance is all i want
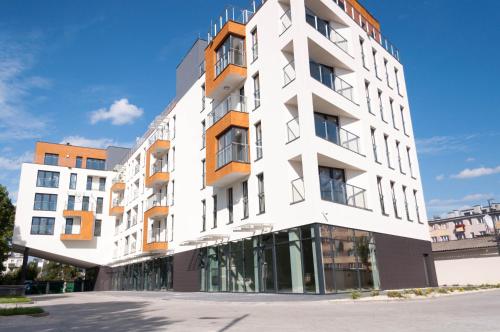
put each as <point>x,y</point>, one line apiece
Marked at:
<point>155,246</point>
<point>230,76</point>
<point>157,178</point>
<point>86,225</point>
<point>155,212</point>
<point>117,187</point>
<point>116,210</point>
<point>233,170</point>
<point>159,146</point>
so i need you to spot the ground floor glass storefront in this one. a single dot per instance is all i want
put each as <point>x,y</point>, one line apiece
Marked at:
<point>153,274</point>
<point>309,259</point>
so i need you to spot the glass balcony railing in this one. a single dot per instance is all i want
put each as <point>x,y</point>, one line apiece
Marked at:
<point>234,152</point>
<point>158,167</point>
<point>328,31</point>
<point>157,234</point>
<point>341,137</point>
<point>232,103</point>
<point>293,129</point>
<point>231,57</point>
<point>161,133</point>
<point>343,193</point>
<point>286,21</point>
<point>298,190</point>
<point>156,200</point>
<point>117,202</point>
<point>289,73</point>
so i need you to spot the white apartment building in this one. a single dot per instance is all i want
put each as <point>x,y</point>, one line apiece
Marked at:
<point>286,163</point>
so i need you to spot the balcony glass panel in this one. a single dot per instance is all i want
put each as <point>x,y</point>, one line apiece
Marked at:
<point>234,102</point>
<point>232,146</point>
<point>334,188</point>
<point>232,51</point>
<point>326,75</point>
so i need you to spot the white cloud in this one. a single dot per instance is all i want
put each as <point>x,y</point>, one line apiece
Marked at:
<point>16,87</point>
<point>89,142</point>
<point>442,144</point>
<point>469,173</point>
<point>440,177</point>
<point>444,205</point>
<point>14,163</point>
<point>119,113</point>
<point>470,159</point>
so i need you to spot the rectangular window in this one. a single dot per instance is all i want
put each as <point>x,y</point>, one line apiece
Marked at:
<point>51,159</point>
<point>79,162</point>
<point>173,193</point>
<point>174,126</point>
<point>47,179</point>
<point>401,109</point>
<point>230,204</point>
<point>232,146</point>
<point>406,204</point>
<point>256,90</point>
<point>173,158</point>
<point>89,183</point>
<point>399,158</point>
<point>71,203</point>
<point>203,134</point>
<point>255,44</point>
<point>203,215</point>
<point>98,164</point>
<point>214,212</point>
<point>203,174</point>
<point>381,195</point>
<point>374,144</point>
<point>391,102</point>
<point>172,228</point>
<point>362,47</point>
<point>261,194</point>
<point>327,127</point>
<point>97,227</point>
<point>231,51</point>
<point>374,53</point>
<point>99,205</point>
<point>72,181</point>
<point>381,106</point>
<point>416,205</point>
<point>394,201</point>
<point>42,226</point>
<point>367,94</point>
<point>396,74</point>
<point>258,140</point>
<point>386,139</point>
<point>332,184</point>
<point>102,184</point>
<point>387,73</point>
<point>68,227</point>
<point>45,202</point>
<point>244,189</point>
<point>203,97</point>
<point>408,155</point>
<point>85,203</point>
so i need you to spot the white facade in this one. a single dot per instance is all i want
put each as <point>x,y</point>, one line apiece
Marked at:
<point>291,150</point>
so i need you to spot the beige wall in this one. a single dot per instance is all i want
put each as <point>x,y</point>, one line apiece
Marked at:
<point>480,270</point>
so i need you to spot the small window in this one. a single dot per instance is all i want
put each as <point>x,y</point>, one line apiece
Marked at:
<point>258,140</point>
<point>230,205</point>
<point>51,159</point>
<point>99,205</point>
<point>97,227</point>
<point>203,215</point>
<point>203,174</point>
<point>89,183</point>
<point>79,162</point>
<point>85,203</point>
<point>72,181</point>
<point>97,164</point>
<point>45,202</point>
<point>255,44</point>
<point>47,179</point>
<point>256,90</point>
<point>261,193</point>
<point>244,188</point>
<point>102,184</point>
<point>214,212</point>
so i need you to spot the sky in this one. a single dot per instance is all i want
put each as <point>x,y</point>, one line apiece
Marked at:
<point>96,73</point>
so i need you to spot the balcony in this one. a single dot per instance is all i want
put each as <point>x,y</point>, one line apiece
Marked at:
<point>343,138</point>
<point>235,152</point>
<point>330,33</point>
<point>156,207</point>
<point>326,75</point>
<point>154,237</point>
<point>159,142</point>
<point>86,229</point>
<point>158,174</point>
<point>118,186</point>
<point>117,207</point>
<point>234,102</point>
<point>343,193</point>
<point>286,21</point>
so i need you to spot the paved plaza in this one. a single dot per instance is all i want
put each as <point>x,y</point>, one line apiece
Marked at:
<point>161,311</point>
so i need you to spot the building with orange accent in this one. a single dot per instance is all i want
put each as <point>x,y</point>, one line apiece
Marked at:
<point>286,163</point>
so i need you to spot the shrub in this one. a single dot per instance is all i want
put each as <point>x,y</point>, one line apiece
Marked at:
<point>20,311</point>
<point>355,295</point>
<point>442,290</point>
<point>418,292</point>
<point>395,294</point>
<point>375,293</point>
<point>428,291</point>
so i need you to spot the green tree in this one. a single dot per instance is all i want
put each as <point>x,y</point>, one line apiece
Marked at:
<point>7,213</point>
<point>58,271</point>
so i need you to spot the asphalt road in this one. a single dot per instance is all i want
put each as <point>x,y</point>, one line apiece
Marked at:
<point>159,311</point>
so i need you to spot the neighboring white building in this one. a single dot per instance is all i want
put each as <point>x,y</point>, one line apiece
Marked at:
<point>13,262</point>
<point>286,163</point>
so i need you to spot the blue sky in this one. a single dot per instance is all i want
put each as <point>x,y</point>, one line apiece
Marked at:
<point>98,72</point>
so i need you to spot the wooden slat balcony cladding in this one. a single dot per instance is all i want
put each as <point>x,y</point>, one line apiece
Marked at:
<point>159,147</point>
<point>214,175</point>
<point>67,153</point>
<point>86,225</point>
<point>117,187</point>
<point>154,212</point>
<point>215,84</point>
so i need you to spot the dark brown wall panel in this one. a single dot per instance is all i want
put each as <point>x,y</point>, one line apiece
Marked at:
<point>186,271</point>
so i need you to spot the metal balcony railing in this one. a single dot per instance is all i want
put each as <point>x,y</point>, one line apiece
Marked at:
<point>158,167</point>
<point>298,190</point>
<point>330,33</point>
<point>344,193</point>
<point>293,129</point>
<point>289,73</point>
<point>233,152</point>
<point>117,202</point>
<point>343,138</point>
<point>233,102</point>
<point>161,133</point>
<point>286,21</point>
<point>231,57</point>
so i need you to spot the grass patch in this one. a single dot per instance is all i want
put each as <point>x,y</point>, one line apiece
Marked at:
<point>355,295</point>
<point>20,311</point>
<point>395,294</point>
<point>375,293</point>
<point>14,299</point>
<point>418,292</point>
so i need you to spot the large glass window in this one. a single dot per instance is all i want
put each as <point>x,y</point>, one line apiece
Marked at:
<point>72,181</point>
<point>323,73</point>
<point>261,193</point>
<point>332,184</point>
<point>244,188</point>
<point>47,179</point>
<point>51,159</point>
<point>327,127</point>
<point>102,184</point>
<point>232,146</point>
<point>45,202</point>
<point>231,51</point>
<point>99,205</point>
<point>98,164</point>
<point>42,226</point>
